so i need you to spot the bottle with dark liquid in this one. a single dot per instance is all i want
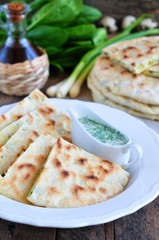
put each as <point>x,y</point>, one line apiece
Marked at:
<point>16,47</point>
<point>23,66</point>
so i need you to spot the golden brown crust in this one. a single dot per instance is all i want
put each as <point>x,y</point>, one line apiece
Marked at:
<point>136,55</point>
<point>73,178</point>
<point>21,175</point>
<point>25,106</point>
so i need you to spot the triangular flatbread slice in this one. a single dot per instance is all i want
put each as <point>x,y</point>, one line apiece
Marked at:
<point>26,134</point>
<point>20,177</point>
<point>120,81</point>
<point>9,130</point>
<point>136,55</point>
<point>72,177</point>
<point>61,121</point>
<point>39,102</point>
<point>25,106</point>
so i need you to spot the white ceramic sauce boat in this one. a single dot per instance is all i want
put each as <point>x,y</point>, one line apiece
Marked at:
<point>119,154</point>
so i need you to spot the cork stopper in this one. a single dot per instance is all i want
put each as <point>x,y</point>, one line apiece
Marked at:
<point>16,7</point>
<point>16,10</point>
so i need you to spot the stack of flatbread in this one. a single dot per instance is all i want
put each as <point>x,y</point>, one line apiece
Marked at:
<point>39,165</point>
<point>126,76</point>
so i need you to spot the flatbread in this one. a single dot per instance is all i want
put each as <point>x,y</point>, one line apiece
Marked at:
<point>136,55</point>
<point>153,71</point>
<point>125,101</point>
<point>20,177</point>
<point>72,177</point>
<point>120,81</point>
<point>61,121</point>
<point>100,98</point>
<point>26,134</point>
<point>8,131</point>
<point>25,106</point>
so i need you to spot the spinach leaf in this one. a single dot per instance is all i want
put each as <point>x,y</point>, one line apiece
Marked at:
<point>47,36</point>
<point>67,62</point>
<point>3,33</point>
<point>69,57</point>
<point>99,36</point>
<point>57,12</point>
<point>81,32</point>
<point>76,50</point>
<point>88,15</point>
<point>52,50</point>
<point>80,43</point>
<point>3,36</point>
<point>56,65</point>
<point>37,4</point>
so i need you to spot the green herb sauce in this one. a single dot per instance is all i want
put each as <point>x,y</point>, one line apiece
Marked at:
<point>104,133</point>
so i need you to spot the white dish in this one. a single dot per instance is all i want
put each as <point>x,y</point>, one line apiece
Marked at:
<point>141,190</point>
<point>119,153</point>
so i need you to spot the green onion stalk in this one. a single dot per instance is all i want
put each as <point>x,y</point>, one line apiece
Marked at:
<point>86,63</point>
<point>75,89</point>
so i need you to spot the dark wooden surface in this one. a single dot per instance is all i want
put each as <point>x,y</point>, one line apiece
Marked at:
<point>141,225</point>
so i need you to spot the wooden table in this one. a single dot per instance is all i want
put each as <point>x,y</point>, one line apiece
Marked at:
<point>141,225</point>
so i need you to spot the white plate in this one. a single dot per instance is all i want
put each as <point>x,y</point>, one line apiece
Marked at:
<point>142,189</point>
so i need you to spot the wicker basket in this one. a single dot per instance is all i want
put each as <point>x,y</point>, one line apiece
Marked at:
<point>21,78</point>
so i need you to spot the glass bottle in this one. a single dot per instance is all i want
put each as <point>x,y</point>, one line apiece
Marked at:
<point>16,47</point>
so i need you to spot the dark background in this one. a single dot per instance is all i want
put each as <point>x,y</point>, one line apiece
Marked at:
<point>121,8</point>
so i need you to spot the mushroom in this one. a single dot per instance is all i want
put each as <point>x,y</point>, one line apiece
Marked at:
<point>109,23</point>
<point>128,20</point>
<point>148,23</point>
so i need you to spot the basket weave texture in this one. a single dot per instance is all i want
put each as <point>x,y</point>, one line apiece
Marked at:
<point>21,78</point>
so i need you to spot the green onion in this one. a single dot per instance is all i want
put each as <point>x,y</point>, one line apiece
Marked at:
<point>51,91</point>
<point>75,90</point>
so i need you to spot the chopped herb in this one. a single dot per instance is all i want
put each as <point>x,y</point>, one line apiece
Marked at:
<point>102,132</point>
